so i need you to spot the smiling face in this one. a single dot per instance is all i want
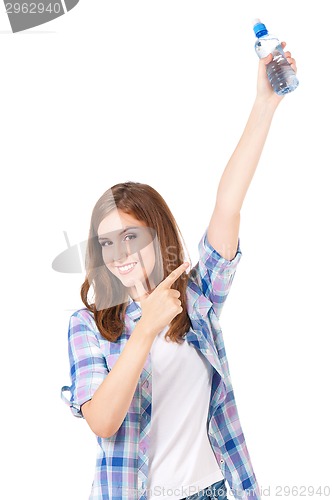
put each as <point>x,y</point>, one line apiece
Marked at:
<point>127,249</point>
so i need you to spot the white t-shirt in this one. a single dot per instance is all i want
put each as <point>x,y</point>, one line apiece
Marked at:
<point>181,459</point>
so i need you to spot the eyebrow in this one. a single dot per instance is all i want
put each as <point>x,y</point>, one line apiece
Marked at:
<point>125,229</point>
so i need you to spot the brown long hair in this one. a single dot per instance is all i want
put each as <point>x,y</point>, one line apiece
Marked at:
<point>147,205</point>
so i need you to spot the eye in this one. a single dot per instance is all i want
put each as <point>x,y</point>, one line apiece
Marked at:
<point>106,243</point>
<point>130,236</point>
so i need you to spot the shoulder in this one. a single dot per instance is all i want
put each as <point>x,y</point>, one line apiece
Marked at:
<point>82,315</point>
<point>82,320</point>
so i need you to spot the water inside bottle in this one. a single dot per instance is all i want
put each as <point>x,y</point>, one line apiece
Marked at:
<point>280,73</point>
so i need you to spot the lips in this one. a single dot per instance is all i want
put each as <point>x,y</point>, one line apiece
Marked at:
<point>127,268</point>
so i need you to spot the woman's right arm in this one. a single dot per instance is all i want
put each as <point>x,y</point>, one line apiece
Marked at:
<point>107,408</point>
<point>109,405</point>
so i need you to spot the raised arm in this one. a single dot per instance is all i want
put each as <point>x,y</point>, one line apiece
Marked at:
<point>223,230</point>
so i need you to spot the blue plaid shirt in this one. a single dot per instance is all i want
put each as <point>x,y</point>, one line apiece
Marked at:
<point>122,463</point>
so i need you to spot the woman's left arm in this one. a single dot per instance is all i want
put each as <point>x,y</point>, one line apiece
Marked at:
<point>223,230</point>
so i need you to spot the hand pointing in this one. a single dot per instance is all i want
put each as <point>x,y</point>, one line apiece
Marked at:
<point>163,304</point>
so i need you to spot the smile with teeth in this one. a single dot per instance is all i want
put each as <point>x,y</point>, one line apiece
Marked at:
<point>126,269</point>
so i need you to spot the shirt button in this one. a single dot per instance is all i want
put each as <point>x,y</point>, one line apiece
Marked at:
<point>221,461</point>
<point>147,383</point>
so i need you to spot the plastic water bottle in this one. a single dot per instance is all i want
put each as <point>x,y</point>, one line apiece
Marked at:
<point>280,73</point>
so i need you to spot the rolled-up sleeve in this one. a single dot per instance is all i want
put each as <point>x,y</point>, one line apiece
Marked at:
<point>88,366</point>
<point>214,274</point>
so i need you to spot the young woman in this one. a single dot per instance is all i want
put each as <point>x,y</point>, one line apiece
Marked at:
<point>148,363</point>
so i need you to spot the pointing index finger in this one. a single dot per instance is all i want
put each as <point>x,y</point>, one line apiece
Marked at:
<point>174,275</point>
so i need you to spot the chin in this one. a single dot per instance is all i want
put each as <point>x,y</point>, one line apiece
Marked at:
<point>129,282</point>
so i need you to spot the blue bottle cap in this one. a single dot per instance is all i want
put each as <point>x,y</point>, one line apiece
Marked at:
<point>259,28</point>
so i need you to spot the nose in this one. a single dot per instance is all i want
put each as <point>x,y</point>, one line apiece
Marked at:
<point>119,252</point>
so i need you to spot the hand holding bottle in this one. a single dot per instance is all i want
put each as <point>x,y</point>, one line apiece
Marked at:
<point>277,69</point>
<point>264,88</point>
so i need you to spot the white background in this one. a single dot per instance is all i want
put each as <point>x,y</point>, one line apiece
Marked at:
<point>159,92</point>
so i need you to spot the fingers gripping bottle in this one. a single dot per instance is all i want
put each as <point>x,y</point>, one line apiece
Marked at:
<point>280,73</point>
